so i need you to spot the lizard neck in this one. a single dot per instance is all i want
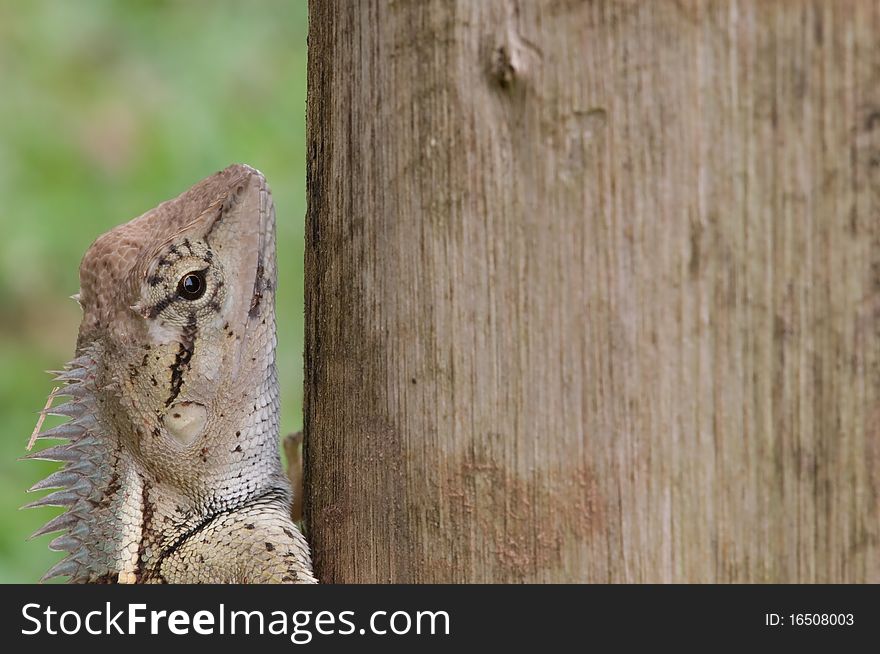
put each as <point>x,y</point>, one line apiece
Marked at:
<point>124,519</point>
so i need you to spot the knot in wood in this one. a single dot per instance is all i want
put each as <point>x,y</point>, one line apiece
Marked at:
<point>502,67</point>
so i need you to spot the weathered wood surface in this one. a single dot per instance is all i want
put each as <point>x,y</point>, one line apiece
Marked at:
<point>593,291</point>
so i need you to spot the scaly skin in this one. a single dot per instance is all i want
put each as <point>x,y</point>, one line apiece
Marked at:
<point>172,468</point>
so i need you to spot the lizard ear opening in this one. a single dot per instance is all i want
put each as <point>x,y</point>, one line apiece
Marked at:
<point>185,421</point>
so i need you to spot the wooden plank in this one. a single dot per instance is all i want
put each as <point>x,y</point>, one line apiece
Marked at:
<point>592,291</point>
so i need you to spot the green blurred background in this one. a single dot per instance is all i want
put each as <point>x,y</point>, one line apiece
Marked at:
<point>106,109</point>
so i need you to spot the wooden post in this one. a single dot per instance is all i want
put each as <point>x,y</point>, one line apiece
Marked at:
<point>593,291</point>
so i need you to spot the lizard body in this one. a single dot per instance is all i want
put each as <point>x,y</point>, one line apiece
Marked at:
<point>172,471</point>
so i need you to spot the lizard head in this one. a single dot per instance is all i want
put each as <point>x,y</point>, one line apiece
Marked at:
<point>178,314</point>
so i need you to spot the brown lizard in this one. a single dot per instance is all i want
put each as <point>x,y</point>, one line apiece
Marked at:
<point>172,471</point>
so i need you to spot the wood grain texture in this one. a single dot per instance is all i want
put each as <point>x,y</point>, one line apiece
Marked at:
<point>593,291</point>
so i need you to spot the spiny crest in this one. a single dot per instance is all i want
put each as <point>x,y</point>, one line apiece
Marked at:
<point>74,482</point>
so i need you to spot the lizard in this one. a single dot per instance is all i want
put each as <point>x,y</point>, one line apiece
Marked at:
<point>172,469</point>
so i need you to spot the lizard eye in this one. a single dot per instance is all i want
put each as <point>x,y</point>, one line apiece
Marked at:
<point>192,285</point>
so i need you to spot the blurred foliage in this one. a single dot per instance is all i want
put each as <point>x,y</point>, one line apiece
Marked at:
<point>106,109</point>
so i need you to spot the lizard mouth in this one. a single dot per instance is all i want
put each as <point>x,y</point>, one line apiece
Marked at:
<point>266,246</point>
<point>240,230</point>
